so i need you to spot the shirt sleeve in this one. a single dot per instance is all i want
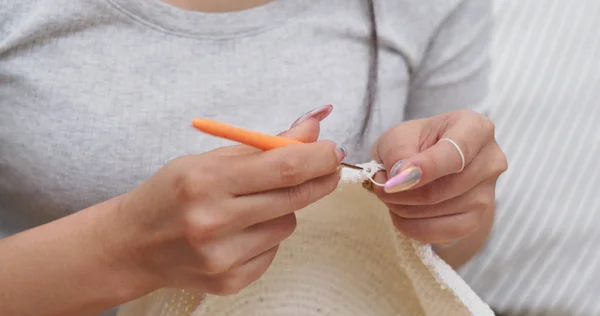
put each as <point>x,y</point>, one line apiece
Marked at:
<point>454,71</point>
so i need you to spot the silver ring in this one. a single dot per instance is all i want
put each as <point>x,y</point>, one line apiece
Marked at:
<point>462,156</point>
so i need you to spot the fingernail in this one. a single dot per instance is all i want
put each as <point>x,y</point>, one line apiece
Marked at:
<point>319,113</point>
<point>395,168</point>
<point>405,180</point>
<point>341,153</point>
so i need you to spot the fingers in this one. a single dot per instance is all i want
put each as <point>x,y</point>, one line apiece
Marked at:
<point>237,213</point>
<point>439,230</point>
<point>444,158</point>
<point>226,252</point>
<point>477,199</point>
<point>400,142</point>
<point>283,167</point>
<point>234,280</point>
<point>446,188</point>
<point>415,156</point>
<point>448,221</point>
<point>260,207</point>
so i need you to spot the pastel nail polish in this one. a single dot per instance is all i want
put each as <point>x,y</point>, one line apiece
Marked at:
<point>319,113</point>
<point>395,168</point>
<point>404,180</point>
<point>341,153</point>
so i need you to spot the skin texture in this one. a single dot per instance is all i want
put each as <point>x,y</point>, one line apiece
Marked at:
<point>209,222</point>
<point>213,222</point>
<point>428,200</point>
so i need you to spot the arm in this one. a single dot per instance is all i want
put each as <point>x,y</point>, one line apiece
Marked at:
<point>165,233</point>
<point>72,266</point>
<point>453,75</point>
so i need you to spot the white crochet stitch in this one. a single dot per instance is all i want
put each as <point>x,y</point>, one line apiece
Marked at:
<point>345,258</point>
<point>358,176</point>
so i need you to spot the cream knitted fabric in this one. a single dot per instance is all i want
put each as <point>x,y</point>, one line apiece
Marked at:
<point>345,258</point>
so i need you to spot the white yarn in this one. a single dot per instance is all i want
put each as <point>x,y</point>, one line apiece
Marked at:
<point>358,176</point>
<point>345,258</point>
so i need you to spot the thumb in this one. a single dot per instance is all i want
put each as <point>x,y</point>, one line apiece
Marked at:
<point>395,146</point>
<point>443,145</point>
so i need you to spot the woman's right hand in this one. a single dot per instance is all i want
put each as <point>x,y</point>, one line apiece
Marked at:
<point>213,222</point>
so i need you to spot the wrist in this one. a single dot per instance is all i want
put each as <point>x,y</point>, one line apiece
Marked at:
<point>120,250</point>
<point>77,265</point>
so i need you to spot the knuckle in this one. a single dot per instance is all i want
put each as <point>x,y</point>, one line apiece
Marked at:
<point>299,196</point>
<point>461,226</point>
<point>413,229</point>
<point>488,127</point>
<point>225,286</point>
<point>214,260</point>
<point>402,211</point>
<point>191,183</point>
<point>330,185</point>
<point>290,169</point>
<point>429,195</point>
<point>481,204</point>
<point>430,164</point>
<point>289,224</point>
<point>466,115</point>
<point>498,161</point>
<point>468,225</point>
<point>183,186</point>
<point>502,162</point>
<point>395,152</point>
<point>388,148</point>
<point>403,225</point>
<point>281,228</point>
<point>202,224</point>
<point>485,200</point>
<point>482,122</point>
<point>327,148</point>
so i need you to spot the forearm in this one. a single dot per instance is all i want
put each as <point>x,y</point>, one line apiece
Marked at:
<point>66,267</point>
<point>461,252</point>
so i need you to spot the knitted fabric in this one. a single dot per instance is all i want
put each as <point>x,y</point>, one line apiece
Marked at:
<point>345,258</point>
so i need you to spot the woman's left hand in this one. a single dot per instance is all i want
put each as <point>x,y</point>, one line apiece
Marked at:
<point>430,198</point>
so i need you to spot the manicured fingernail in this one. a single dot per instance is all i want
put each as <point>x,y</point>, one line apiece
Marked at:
<point>341,153</point>
<point>319,113</point>
<point>395,168</point>
<point>405,180</point>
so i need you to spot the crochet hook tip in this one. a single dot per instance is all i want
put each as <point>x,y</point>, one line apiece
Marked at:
<point>347,165</point>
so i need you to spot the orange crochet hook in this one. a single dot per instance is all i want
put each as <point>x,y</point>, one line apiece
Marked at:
<point>240,135</point>
<point>247,137</point>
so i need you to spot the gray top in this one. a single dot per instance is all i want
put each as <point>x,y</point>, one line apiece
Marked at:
<point>97,95</point>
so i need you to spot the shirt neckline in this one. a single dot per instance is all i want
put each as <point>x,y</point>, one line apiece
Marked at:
<point>170,19</point>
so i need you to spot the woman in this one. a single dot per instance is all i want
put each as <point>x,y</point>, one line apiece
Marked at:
<point>102,186</point>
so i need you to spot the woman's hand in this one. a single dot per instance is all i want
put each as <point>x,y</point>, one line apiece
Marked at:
<point>213,222</point>
<point>430,198</point>
<point>209,222</point>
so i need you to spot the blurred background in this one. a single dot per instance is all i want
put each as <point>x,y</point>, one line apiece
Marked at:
<point>543,257</point>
